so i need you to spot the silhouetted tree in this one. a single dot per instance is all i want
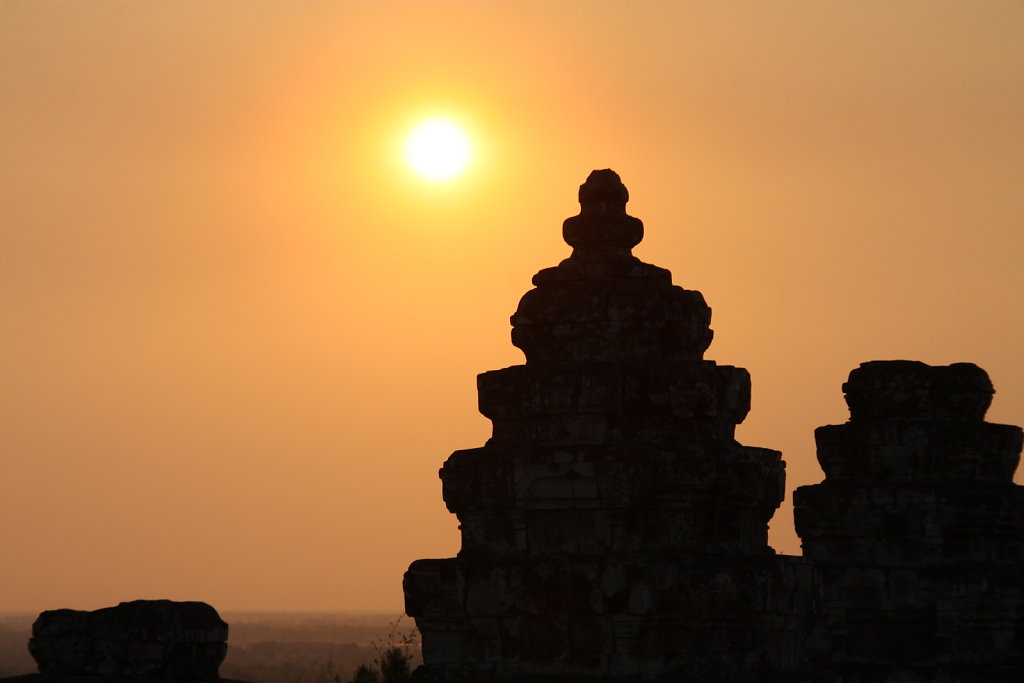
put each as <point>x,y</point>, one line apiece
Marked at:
<point>393,663</point>
<point>365,674</point>
<point>394,666</point>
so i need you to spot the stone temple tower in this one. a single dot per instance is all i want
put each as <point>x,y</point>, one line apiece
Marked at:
<point>612,527</point>
<point>917,531</point>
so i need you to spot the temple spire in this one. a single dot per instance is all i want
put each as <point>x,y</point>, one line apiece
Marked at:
<point>603,224</point>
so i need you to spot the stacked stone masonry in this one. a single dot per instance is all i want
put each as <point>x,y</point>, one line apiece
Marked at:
<point>917,532</point>
<point>612,513</point>
<point>613,529</point>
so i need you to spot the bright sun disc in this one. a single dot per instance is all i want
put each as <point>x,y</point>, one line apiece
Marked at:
<point>437,150</point>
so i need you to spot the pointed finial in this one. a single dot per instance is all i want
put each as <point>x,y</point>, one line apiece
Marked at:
<point>602,223</point>
<point>603,187</point>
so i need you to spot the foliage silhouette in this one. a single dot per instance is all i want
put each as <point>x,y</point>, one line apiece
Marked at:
<point>393,663</point>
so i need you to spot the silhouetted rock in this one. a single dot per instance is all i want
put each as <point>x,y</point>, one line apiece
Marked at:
<point>917,530</point>
<point>612,527</point>
<point>140,640</point>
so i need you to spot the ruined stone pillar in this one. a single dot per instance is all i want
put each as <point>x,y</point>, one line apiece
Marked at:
<point>143,641</point>
<point>612,527</point>
<point>918,530</point>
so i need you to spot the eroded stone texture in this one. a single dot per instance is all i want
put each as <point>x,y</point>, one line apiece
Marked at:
<point>152,639</point>
<point>612,527</point>
<point>917,530</point>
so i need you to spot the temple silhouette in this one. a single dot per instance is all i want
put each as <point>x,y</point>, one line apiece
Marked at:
<point>613,529</point>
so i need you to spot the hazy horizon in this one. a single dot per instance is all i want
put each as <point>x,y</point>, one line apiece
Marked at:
<point>241,338</point>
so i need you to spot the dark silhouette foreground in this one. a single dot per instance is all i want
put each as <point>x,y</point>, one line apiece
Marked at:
<point>134,642</point>
<point>614,530</point>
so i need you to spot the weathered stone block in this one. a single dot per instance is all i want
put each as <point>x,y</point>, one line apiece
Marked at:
<point>889,389</point>
<point>918,447</point>
<point>158,638</point>
<point>433,588</point>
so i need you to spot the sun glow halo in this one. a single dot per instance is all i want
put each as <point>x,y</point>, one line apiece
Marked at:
<point>438,149</point>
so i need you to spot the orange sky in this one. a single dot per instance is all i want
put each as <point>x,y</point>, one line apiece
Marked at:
<point>239,338</point>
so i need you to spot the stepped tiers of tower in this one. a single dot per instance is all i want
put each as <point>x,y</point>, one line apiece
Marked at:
<point>612,513</point>
<point>613,529</point>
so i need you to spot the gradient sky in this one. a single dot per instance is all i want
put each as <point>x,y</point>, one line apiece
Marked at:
<point>239,338</point>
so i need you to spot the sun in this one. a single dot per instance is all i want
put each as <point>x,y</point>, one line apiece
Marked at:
<point>438,149</point>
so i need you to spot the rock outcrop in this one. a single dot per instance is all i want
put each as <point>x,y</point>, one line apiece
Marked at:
<point>143,640</point>
<point>918,530</point>
<point>612,527</point>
